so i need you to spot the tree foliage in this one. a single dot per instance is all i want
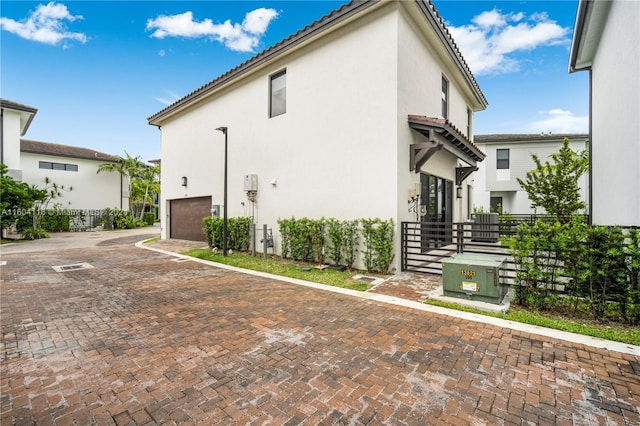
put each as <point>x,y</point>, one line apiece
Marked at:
<point>16,198</point>
<point>553,186</point>
<point>144,180</point>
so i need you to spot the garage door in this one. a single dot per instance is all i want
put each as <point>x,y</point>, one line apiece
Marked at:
<point>186,218</point>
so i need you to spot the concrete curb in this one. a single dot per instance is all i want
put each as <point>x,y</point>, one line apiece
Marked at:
<point>526,328</point>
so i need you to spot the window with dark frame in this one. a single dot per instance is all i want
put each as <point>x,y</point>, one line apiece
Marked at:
<point>48,165</point>
<point>278,94</point>
<point>469,122</point>
<point>502,156</point>
<point>445,98</point>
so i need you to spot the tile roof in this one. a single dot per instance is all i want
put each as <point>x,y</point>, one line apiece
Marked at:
<point>58,150</point>
<point>327,21</point>
<point>452,131</point>
<point>528,137</point>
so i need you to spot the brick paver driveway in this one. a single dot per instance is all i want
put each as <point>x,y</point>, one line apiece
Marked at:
<point>141,338</point>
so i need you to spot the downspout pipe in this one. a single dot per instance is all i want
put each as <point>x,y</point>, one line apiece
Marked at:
<point>589,147</point>
<point>2,135</point>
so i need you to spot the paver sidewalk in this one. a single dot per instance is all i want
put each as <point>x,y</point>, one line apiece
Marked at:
<point>146,338</point>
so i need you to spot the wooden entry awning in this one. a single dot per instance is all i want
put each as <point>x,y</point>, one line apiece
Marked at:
<point>441,134</point>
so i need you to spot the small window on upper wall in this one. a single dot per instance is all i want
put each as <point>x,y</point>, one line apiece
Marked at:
<point>445,98</point>
<point>502,156</point>
<point>469,122</point>
<point>278,94</point>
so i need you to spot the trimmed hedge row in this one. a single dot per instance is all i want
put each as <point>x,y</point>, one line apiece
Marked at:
<point>309,239</point>
<point>238,232</point>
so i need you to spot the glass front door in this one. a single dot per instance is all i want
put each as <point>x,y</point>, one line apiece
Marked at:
<point>436,196</point>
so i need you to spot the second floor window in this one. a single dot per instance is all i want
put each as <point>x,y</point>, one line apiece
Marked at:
<point>278,94</point>
<point>502,156</point>
<point>58,166</point>
<point>469,122</point>
<point>445,98</point>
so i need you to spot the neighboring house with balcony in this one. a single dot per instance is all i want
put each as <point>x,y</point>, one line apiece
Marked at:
<point>69,166</point>
<point>495,185</point>
<point>365,113</point>
<point>606,42</point>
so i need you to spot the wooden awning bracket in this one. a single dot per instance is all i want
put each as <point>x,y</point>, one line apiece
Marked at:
<point>421,152</point>
<point>462,173</point>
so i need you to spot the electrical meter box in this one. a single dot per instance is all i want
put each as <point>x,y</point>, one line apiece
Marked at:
<point>251,183</point>
<point>474,276</point>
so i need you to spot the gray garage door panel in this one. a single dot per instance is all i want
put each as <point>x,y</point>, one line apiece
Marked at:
<point>186,218</point>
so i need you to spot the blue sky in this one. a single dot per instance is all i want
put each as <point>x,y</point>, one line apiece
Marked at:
<point>95,70</point>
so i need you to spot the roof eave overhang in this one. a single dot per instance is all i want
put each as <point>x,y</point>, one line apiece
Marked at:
<point>261,59</point>
<point>454,53</point>
<point>590,21</point>
<point>450,139</point>
<point>27,114</point>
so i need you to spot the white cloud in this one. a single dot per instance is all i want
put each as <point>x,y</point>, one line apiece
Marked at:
<point>45,25</point>
<point>244,37</point>
<point>168,100</point>
<point>257,21</point>
<point>492,37</point>
<point>559,121</point>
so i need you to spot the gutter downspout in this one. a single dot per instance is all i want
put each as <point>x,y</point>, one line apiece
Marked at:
<point>2,135</point>
<point>589,147</point>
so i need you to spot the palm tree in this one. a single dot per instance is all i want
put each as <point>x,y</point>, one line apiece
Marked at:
<point>148,178</point>
<point>127,167</point>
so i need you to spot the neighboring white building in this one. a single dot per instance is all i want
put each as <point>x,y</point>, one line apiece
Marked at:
<point>15,120</point>
<point>347,118</point>
<point>509,158</point>
<point>606,42</point>
<point>73,167</point>
<point>69,166</point>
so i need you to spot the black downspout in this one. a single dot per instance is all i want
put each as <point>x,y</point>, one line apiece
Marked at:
<point>2,135</point>
<point>590,148</point>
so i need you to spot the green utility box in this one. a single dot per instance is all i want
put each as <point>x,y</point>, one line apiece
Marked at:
<point>474,276</point>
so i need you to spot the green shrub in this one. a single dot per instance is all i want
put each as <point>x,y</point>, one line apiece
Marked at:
<point>606,270</point>
<point>34,233</point>
<point>378,241</point>
<point>149,218</point>
<point>238,232</point>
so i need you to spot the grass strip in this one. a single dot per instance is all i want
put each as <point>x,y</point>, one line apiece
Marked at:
<point>302,271</point>
<point>625,335</point>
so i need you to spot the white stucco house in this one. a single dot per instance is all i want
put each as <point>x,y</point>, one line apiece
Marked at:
<point>509,158</point>
<point>351,117</point>
<point>69,166</point>
<point>73,167</point>
<point>606,42</point>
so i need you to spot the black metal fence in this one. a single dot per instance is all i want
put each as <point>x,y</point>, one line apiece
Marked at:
<point>425,245</point>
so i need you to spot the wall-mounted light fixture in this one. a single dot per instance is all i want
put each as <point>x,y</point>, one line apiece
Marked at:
<point>459,192</point>
<point>184,181</point>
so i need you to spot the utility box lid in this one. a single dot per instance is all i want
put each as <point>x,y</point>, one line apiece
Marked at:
<point>480,259</point>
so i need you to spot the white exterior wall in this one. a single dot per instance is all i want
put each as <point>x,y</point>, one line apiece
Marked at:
<point>332,153</point>
<point>11,141</point>
<point>421,65</point>
<point>90,190</point>
<point>616,118</point>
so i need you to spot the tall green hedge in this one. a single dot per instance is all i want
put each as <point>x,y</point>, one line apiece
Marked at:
<point>311,240</point>
<point>596,264</point>
<point>238,232</point>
